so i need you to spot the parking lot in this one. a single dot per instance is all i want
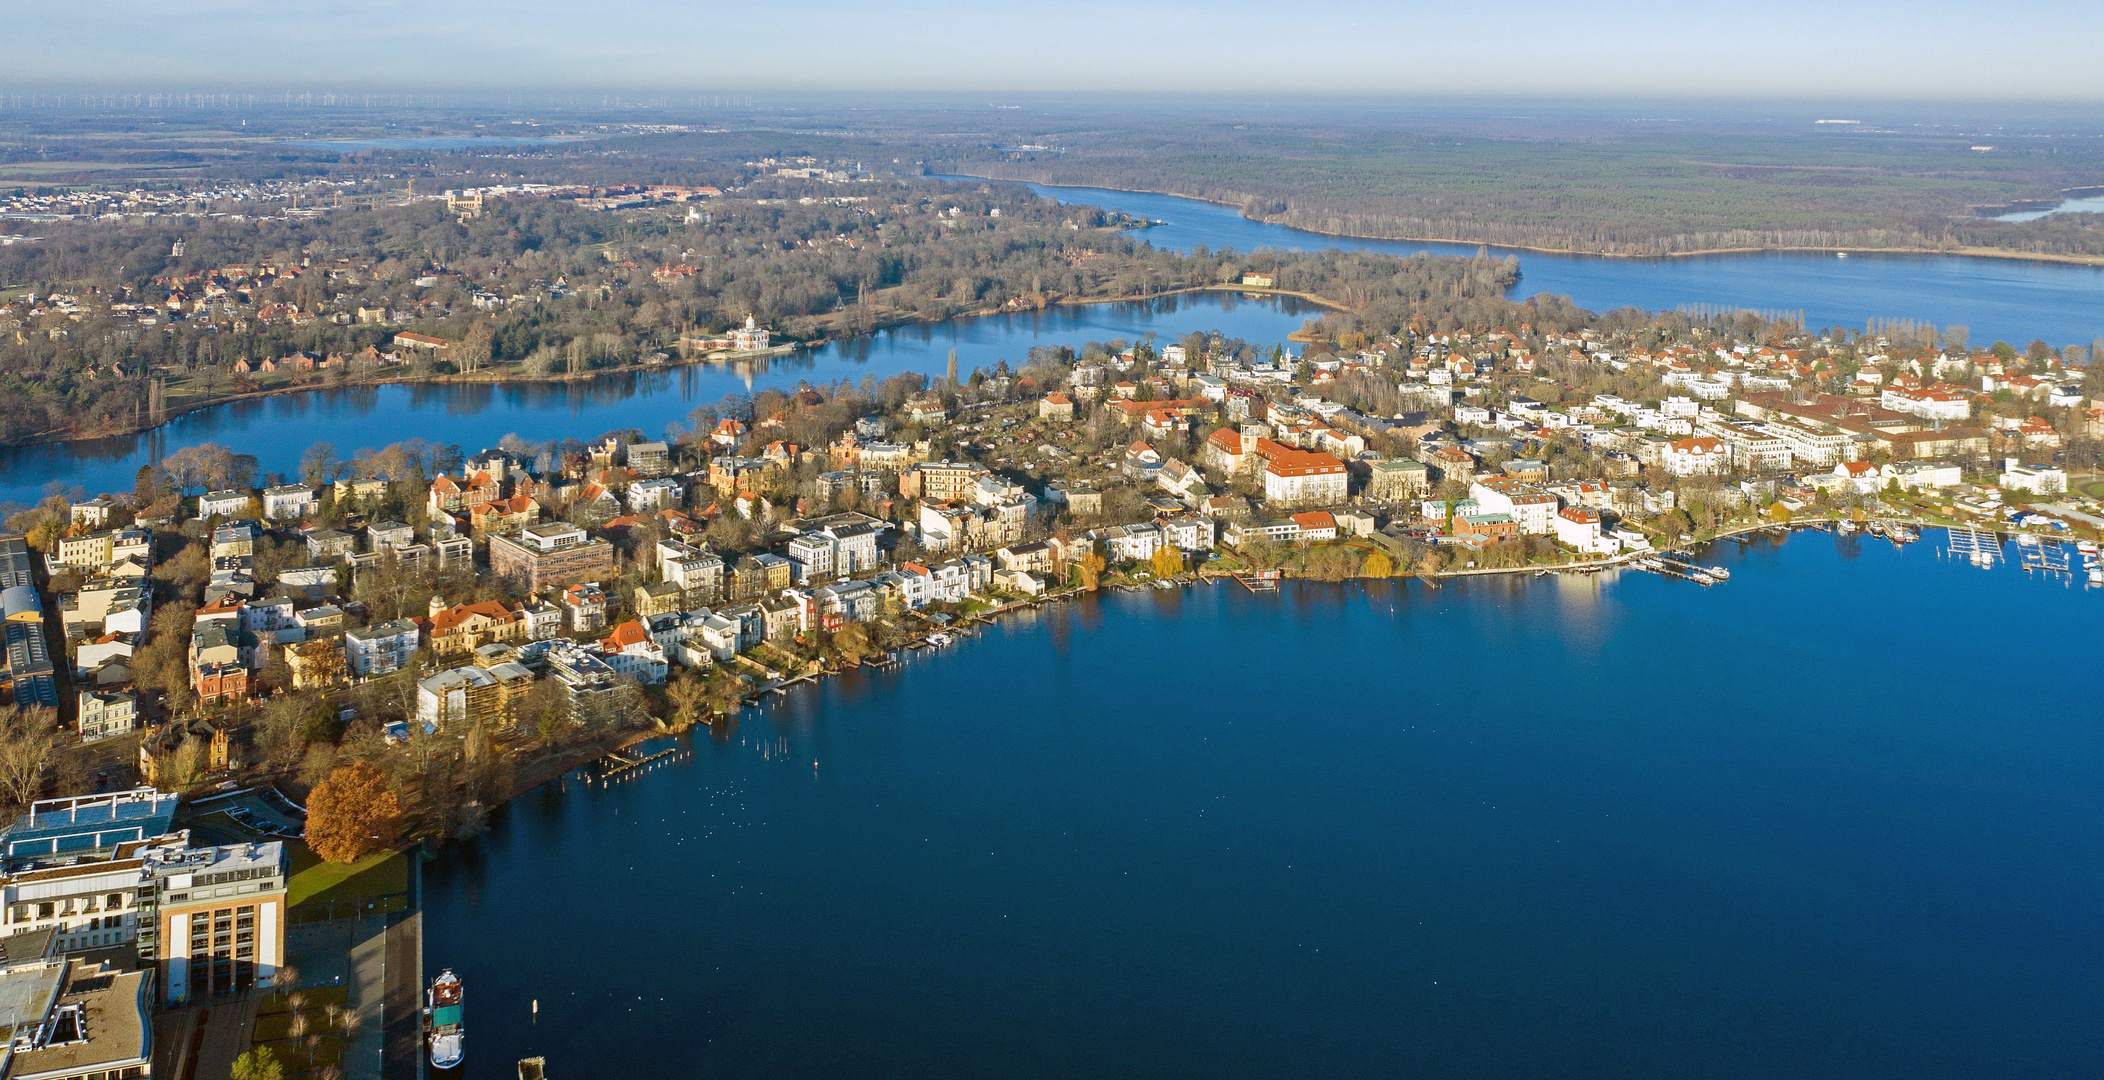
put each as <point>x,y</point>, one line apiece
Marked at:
<point>245,815</point>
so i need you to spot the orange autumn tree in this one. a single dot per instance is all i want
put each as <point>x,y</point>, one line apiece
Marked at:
<point>1091,566</point>
<point>352,814</point>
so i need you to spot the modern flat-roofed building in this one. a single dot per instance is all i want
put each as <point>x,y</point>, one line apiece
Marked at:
<point>85,826</point>
<point>212,919</point>
<point>90,904</point>
<point>72,1019</point>
<point>550,555</point>
<point>591,688</point>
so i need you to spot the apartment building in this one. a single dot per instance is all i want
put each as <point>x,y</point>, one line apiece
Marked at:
<point>212,920</point>
<point>550,555</point>
<point>1301,477</point>
<point>107,713</point>
<point>381,648</point>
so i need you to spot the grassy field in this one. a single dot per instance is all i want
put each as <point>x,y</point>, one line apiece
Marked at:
<point>318,1016</point>
<point>318,882</point>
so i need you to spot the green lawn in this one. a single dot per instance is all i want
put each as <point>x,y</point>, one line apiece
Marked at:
<point>313,880</point>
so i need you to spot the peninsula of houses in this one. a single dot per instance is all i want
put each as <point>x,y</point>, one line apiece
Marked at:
<point>632,560</point>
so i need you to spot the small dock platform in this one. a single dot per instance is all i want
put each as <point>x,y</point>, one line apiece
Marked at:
<point>1260,581</point>
<point>617,765</point>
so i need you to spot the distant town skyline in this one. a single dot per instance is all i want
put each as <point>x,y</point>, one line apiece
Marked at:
<point>2030,50</point>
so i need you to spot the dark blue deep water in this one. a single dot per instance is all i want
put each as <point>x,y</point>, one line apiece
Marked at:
<point>1834,818</point>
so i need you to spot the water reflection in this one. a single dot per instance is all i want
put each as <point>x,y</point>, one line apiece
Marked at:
<point>475,415</point>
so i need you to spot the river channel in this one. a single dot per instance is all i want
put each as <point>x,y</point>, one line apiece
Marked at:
<point>2012,299</point>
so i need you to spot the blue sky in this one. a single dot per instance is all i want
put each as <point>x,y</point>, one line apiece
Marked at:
<point>2023,50</point>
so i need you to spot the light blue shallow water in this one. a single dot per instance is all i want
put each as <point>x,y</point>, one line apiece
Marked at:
<point>2012,299</point>
<point>2093,205</point>
<point>1810,823</point>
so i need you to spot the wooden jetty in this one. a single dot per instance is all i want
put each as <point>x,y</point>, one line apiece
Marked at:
<point>617,764</point>
<point>1260,581</point>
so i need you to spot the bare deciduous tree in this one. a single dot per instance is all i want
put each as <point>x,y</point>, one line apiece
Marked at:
<point>28,738</point>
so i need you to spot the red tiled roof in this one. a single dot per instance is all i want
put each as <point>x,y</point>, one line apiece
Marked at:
<point>624,635</point>
<point>451,618</point>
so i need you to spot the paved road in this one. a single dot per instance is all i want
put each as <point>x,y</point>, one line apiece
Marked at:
<point>200,1042</point>
<point>350,953</point>
<point>2066,511</point>
<point>404,1053</point>
<point>228,1031</point>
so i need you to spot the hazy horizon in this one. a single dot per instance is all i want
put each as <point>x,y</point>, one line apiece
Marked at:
<point>1632,49</point>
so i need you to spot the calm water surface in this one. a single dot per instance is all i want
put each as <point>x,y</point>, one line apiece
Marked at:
<point>2091,205</point>
<point>277,428</point>
<point>1796,825</point>
<point>2010,299</point>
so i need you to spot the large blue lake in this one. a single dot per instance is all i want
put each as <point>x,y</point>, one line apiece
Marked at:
<point>1995,298</point>
<point>1800,825</point>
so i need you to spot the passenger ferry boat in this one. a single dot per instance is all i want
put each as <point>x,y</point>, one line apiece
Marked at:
<point>442,1017</point>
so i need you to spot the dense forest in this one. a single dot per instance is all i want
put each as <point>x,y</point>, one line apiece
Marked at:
<point>1612,194</point>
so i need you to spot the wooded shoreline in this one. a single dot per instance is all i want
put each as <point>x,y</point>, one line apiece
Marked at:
<point>513,378</point>
<point>1965,252</point>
